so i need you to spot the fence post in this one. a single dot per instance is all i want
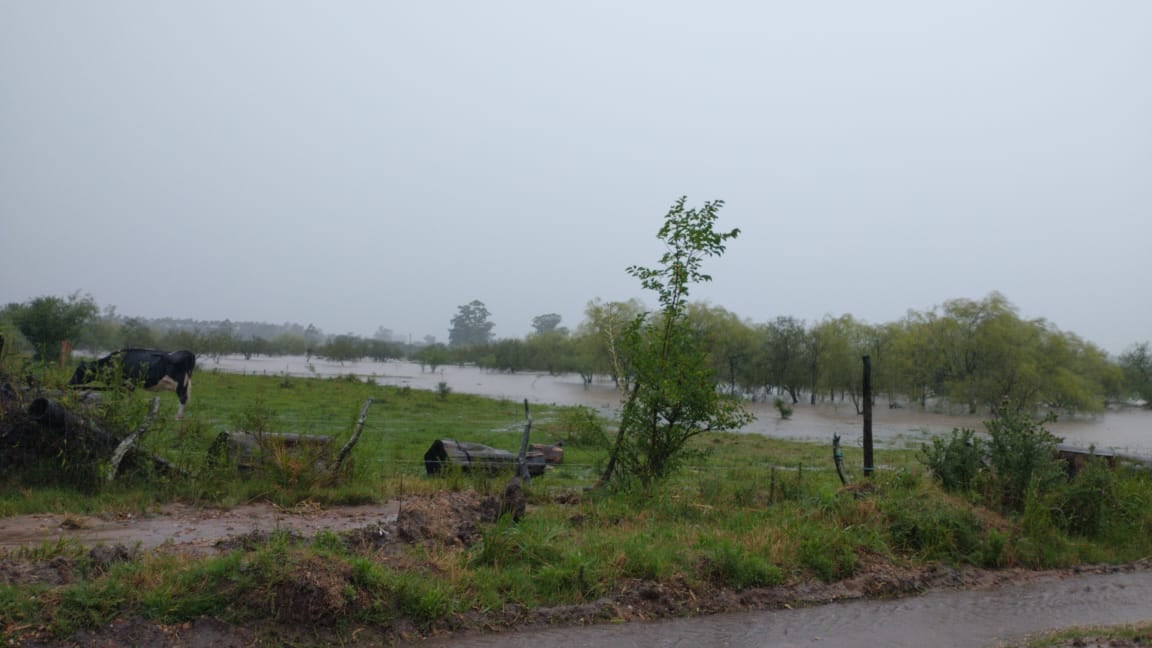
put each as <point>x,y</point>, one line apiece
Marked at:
<point>868,459</point>
<point>65,353</point>
<point>522,459</point>
<point>352,441</point>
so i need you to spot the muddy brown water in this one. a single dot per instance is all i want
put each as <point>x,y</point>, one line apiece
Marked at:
<point>1128,430</point>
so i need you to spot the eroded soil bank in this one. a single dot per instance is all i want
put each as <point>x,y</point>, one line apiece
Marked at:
<point>313,611</point>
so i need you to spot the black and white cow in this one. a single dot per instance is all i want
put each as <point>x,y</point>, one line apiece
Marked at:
<point>156,369</point>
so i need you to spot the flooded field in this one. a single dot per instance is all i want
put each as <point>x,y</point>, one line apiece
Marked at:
<point>1127,430</point>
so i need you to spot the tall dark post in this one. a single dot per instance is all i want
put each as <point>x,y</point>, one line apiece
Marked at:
<point>868,465</point>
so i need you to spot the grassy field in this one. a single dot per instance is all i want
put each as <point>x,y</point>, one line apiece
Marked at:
<point>749,513</point>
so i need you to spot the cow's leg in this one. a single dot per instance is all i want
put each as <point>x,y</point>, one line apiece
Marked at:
<point>183,392</point>
<point>167,383</point>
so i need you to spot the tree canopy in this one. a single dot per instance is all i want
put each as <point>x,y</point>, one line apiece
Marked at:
<point>46,322</point>
<point>470,325</point>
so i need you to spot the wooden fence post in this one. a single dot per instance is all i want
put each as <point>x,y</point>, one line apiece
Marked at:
<point>522,458</point>
<point>868,459</point>
<point>130,440</point>
<point>65,353</point>
<point>352,441</point>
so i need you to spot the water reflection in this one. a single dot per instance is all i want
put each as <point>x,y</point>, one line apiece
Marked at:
<point>1129,430</point>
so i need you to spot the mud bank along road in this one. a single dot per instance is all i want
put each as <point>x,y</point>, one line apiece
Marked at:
<point>941,618</point>
<point>958,607</point>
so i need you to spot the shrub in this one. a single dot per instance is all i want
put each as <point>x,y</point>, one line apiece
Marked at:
<point>954,462</point>
<point>583,427</point>
<point>1084,503</point>
<point>1022,455</point>
<point>783,407</point>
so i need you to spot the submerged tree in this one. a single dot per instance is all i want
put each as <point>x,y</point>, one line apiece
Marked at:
<point>1136,365</point>
<point>672,392</point>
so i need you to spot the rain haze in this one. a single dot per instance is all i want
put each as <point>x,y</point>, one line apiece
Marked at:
<point>354,165</point>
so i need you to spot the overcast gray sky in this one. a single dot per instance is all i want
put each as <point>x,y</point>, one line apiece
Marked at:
<point>358,164</point>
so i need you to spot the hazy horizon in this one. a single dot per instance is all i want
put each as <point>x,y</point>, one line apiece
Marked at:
<point>375,164</point>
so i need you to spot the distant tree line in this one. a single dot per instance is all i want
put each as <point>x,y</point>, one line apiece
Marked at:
<point>969,353</point>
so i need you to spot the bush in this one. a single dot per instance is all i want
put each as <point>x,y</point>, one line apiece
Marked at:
<point>583,427</point>
<point>1084,503</point>
<point>783,407</point>
<point>1022,455</point>
<point>954,462</point>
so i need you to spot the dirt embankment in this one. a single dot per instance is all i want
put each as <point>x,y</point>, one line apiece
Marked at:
<point>309,608</point>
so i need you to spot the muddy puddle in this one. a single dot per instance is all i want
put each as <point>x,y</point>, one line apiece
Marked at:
<point>185,528</point>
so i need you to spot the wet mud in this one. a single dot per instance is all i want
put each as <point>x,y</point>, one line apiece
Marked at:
<point>898,605</point>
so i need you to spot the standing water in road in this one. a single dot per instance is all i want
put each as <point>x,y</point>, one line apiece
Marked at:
<point>941,619</point>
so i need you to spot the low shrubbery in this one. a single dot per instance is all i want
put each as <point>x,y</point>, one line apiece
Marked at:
<point>1016,470</point>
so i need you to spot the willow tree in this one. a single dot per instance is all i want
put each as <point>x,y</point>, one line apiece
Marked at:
<point>600,338</point>
<point>672,393</point>
<point>46,322</point>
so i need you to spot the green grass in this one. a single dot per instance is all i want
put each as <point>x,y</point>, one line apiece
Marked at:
<point>753,512</point>
<point>1138,634</point>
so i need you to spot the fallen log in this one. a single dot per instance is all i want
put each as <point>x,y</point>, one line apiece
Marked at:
<point>248,449</point>
<point>553,454</point>
<point>55,416</point>
<point>86,440</point>
<point>477,457</point>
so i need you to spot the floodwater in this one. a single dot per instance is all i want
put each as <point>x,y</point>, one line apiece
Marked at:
<point>1125,431</point>
<point>941,619</point>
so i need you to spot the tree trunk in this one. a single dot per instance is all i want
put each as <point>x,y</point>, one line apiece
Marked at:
<point>352,441</point>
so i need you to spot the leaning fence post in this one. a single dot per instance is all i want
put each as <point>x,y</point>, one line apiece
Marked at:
<point>352,441</point>
<point>522,459</point>
<point>838,458</point>
<point>130,440</point>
